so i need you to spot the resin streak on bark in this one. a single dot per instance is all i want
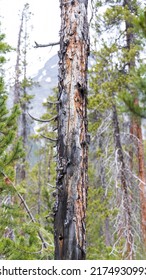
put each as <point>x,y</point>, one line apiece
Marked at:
<point>70,206</point>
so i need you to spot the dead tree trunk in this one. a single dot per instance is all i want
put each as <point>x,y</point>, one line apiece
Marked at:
<point>24,102</point>
<point>70,206</point>
<point>102,176</point>
<point>124,187</point>
<point>17,66</point>
<point>20,172</point>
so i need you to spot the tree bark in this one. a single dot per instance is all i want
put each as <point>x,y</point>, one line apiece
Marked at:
<point>135,128</point>
<point>142,185</point>
<point>72,146</point>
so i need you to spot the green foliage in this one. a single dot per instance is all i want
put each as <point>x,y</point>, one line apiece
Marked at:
<point>140,22</point>
<point>4,48</point>
<point>8,123</point>
<point>116,78</point>
<point>18,236</point>
<point>19,233</point>
<point>98,212</point>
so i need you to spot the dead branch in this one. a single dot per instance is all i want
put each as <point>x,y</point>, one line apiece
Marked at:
<point>51,186</point>
<point>92,12</point>
<point>43,121</point>
<point>56,188</point>
<point>55,102</point>
<point>45,45</point>
<point>46,137</point>
<point>26,208</point>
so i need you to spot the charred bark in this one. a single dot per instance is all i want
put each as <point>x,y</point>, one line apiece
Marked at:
<point>70,206</point>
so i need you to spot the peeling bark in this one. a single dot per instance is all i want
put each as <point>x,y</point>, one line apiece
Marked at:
<point>70,206</point>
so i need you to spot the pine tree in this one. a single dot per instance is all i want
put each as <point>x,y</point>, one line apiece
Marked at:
<point>116,68</point>
<point>42,175</point>
<point>22,85</point>
<point>10,149</point>
<point>8,124</point>
<point>20,229</point>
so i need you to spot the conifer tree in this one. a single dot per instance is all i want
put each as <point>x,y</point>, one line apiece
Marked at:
<point>117,65</point>
<point>8,120</point>
<point>22,85</point>
<point>42,177</point>
<point>10,148</point>
<point>18,237</point>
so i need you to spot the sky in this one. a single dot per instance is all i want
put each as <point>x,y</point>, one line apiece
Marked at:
<point>46,25</point>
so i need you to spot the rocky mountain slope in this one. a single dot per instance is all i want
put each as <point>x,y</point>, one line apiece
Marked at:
<point>47,78</point>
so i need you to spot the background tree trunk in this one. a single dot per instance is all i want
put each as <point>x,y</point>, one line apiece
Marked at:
<point>135,128</point>
<point>70,206</point>
<point>127,224</point>
<point>142,185</point>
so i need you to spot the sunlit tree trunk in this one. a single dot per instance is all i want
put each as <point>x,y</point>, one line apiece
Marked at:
<point>70,206</point>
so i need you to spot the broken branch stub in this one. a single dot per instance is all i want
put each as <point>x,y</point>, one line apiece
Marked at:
<point>46,45</point>
<point>41,120</point>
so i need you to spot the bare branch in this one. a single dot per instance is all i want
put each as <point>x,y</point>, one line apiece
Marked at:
<point>92,11</point>
<point>56,188</point>
<point>55,102</point>
<point>45,45</point>
<point>43,121</point>
<point>51,139</point>
<point>51,186</point>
